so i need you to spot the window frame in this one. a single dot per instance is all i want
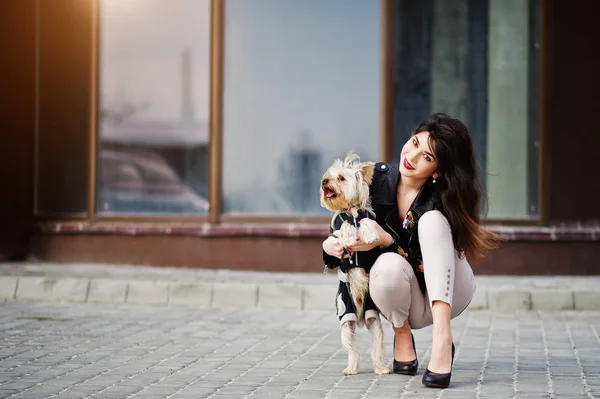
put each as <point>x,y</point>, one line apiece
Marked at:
<point>215,144</point>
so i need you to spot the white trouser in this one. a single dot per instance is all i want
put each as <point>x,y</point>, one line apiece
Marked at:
<point>449,278</point>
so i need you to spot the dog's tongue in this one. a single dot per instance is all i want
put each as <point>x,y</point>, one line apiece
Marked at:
<point>330,194</point>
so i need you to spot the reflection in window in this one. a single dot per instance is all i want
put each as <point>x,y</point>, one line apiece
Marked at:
<point>154,107</point>
<point>478,61</point>
<point>301,88</point>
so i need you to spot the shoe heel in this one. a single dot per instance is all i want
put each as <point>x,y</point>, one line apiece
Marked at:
<point>406,368</point>
<point>434,380</point>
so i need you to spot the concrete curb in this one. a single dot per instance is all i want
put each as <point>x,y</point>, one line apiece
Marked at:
<point>164,293</point>
<point>265,295</point>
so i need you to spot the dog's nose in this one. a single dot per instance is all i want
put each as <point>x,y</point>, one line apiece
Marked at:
<point>325,181</point>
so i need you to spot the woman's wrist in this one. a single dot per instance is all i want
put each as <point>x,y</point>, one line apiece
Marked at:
<point>386,241</point>
<point>326,246</point>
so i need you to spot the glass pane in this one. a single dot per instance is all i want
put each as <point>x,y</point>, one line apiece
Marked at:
<point>301,89</point>
<point>478,61</point>
<point>154,107</point>
<point>62,133</point>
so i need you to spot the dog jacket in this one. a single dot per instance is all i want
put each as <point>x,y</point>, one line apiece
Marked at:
<point>365,259</point>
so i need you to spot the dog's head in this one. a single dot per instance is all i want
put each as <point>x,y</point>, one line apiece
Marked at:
<point>345,185</point>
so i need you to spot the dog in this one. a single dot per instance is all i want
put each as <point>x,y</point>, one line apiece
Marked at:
<point>345,192</point>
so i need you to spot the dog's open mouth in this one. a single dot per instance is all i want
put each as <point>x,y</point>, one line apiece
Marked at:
<point>329,194</point>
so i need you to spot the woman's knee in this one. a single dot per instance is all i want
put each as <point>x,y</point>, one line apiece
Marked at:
<point>434,225</point>
<point>390,287</point>
<point>390,270</point>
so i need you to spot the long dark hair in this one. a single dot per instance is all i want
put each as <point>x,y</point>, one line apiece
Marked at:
<point>458,189</point>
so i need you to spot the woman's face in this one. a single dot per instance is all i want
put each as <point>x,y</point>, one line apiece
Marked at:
<point>417,159</point>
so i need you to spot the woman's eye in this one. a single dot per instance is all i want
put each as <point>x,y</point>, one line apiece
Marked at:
<point>414,142</point>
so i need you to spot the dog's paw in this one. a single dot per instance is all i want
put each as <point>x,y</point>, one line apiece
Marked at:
<point>367,233</point>
<point>369,237</point>
<point>347,235</point>
<point>381,370</point>
<point>351,370</point>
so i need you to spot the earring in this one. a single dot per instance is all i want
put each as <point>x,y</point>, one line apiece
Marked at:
<point>433,180</point>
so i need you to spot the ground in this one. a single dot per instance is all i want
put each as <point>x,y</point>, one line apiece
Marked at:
<point>62,350</point>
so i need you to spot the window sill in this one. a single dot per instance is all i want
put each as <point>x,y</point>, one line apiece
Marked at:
<point>573,231</point>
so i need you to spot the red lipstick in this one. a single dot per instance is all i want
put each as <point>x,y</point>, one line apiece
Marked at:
<point>407,164</point>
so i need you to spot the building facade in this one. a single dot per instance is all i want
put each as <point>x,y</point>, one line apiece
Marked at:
<point>194,133</point>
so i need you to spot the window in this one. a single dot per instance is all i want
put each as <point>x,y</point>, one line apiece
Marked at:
<point>154,107</point>
<point>478,61</point>
<point>301,88</point>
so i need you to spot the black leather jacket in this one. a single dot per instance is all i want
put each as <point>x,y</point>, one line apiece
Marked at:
<point>405,232</point>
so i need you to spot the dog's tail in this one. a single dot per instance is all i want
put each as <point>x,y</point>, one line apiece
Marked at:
<point>359,285</point>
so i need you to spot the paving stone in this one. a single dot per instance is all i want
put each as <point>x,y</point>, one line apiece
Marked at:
<point>586,299</point>
<point>320,297</point>
<point>556,299</point>
<point>508,300</point>
<point>238,295</point>
<point>8,287</point>
<point>148,293</point>
<point>479,301</point>
<point>279,296</point>
<point>35,288</point>
<point>196,294</point>
<point>71,289</point>
<point>107,291</point>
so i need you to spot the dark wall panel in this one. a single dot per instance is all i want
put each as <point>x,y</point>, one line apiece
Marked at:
<point>17,85</point>
<point>65,44</point>
<point>573,84</point>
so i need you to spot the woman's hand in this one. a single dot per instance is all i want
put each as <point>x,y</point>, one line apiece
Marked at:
<point>332,246</point>
<point>385,239</point>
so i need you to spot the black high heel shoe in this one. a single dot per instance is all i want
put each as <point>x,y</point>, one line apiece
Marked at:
<point>406,368</point>
<point>435,380</point>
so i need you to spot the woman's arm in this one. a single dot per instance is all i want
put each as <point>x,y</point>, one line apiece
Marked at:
<point>332,246</point>
<point>384,240</point>
<point>333,251</point>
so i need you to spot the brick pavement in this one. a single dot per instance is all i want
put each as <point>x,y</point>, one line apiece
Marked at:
<point>62,350</point>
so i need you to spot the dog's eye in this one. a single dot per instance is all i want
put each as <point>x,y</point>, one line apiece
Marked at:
<point>341,178</point>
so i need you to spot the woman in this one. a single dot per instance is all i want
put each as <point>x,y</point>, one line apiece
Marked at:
<point>427,216</point>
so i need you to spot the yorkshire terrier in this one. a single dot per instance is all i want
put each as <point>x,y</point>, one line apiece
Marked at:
<point>345,192</point>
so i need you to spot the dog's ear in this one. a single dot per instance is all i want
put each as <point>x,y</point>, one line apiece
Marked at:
<point>351,159</point>
<point>367,169</point>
